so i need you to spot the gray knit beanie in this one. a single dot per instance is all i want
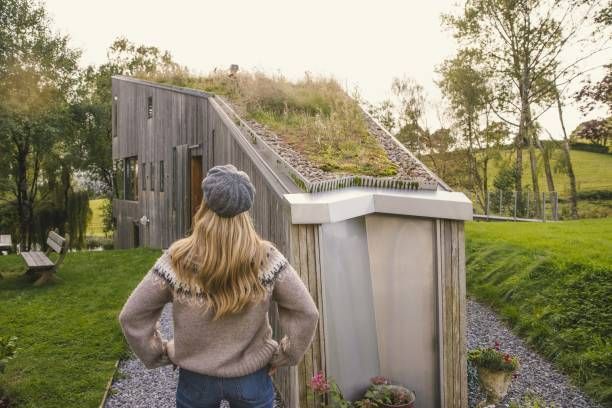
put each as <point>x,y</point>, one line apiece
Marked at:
<point>227,190</point>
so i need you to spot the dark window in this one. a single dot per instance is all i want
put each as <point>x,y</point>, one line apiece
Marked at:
<point>131,178</point>
<point>161,175</point>
<point>145,176</point>
<point>119,179</point>
<point>114,113</point>
<point>173,187</point>
<point>150,107</point>
<point>152,171</point>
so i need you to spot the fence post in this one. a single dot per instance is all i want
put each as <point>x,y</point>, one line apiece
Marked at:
<point>515,203</point>
<point>555,201</point>
<point>528,214</point>
<point>501,196</point>
<point>488,199</point>
<point>543,206</point>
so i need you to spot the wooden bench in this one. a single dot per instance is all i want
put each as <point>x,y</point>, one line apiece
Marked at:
<point>40,267</point>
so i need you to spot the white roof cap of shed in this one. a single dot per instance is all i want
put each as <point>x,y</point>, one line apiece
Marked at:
<point>343,204</point>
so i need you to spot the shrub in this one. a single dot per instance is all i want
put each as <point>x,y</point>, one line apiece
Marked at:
<point>8,350</point>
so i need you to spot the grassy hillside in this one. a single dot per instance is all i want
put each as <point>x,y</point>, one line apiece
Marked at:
<point>68,333</point>
<point>553,283</point>
<point>593,171</point>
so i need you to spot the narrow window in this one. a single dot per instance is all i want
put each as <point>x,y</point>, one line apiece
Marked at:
<point>152,171</point>
<point>131,178</point>
<point>145,176</point>
<point>150,107</point>
<point>119,179</point>
<point>114,113</point>
<point>161,175</point>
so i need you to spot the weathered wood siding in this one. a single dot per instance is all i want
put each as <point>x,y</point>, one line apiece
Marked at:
<point>180,121</point>
<point>186,123</point>
<point>451,314</point>
<point>305,257</point>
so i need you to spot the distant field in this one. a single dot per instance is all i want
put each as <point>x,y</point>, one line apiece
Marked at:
<point>553,283</point>
<point>96,227</point>
<point>593,171</point>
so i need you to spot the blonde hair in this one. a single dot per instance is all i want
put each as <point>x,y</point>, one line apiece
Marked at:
<point>222,258</point>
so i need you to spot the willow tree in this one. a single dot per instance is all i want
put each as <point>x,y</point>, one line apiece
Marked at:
<point>524,45</point>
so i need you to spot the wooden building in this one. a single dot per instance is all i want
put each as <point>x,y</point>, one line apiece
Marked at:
<point>383,260</point>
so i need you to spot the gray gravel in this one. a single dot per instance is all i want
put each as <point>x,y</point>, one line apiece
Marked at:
<point>138,387</point>
<point>535,374</point>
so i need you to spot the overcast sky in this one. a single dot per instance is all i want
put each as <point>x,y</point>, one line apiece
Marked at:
<point>364,44</point>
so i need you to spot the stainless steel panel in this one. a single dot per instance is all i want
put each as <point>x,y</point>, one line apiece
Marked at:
<point>350,330</point>
<point>401,253</point>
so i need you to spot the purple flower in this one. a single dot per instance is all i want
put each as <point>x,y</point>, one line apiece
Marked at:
<point>318,383</point>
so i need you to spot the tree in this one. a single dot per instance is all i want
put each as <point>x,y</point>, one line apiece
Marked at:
<point>595,131</point>
<point>465,83</point>
<point>38,71</point>
<point>522,43</point>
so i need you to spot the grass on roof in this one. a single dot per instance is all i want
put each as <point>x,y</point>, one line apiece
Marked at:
<point>314,116</point>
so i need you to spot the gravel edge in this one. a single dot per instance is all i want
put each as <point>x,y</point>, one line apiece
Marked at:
<point>535,375</point>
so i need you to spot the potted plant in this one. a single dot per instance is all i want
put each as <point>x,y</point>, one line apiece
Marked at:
<point>387,395</point>
<point>381,393</point>
<point>495,370</point>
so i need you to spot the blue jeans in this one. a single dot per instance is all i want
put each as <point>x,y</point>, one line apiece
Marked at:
<point>196,390</point>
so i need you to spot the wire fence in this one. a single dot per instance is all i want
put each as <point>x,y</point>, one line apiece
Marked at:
<point>517,205</point>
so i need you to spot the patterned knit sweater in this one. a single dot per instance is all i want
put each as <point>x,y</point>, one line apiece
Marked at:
<point>232,346</point>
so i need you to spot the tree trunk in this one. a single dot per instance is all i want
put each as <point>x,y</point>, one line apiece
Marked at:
<point>546,158</point>
<point>568,163</point>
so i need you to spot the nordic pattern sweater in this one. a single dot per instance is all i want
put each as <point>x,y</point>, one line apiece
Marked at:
<point>232,346</point>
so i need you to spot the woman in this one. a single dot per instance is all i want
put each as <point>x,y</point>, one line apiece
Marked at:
<point>221,280</point>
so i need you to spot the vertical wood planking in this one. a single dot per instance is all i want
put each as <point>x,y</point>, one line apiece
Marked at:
<point>451,266</point>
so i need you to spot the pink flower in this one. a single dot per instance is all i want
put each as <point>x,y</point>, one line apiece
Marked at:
<point>497,345</point>
<point>379,380</point>
<point>318,383</point>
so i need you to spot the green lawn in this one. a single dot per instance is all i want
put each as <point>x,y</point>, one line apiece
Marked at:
<point>96,226</point>
<point>68,333</point>
<point>553,283</point>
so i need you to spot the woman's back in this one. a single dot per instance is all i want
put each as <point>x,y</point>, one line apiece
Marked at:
<point>221,295</point>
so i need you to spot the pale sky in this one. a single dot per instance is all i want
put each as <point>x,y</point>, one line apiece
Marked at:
<point>361,43</point>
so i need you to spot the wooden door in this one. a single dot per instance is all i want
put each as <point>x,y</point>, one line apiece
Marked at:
<point>196,183</point>
<point>180,191</point>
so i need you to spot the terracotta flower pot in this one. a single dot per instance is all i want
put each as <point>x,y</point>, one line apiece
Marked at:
<point>409,404</point>
<point>494,383</point>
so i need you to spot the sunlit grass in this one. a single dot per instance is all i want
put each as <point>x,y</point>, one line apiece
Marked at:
<point>553,283</point>
<point>68,333</point>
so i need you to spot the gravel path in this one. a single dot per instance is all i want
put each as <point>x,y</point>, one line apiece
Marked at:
<point>535,374</point>
<point>137,387</point>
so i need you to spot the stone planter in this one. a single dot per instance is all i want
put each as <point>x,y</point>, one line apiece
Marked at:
<point>409,404</point>
<point>494,383</point>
